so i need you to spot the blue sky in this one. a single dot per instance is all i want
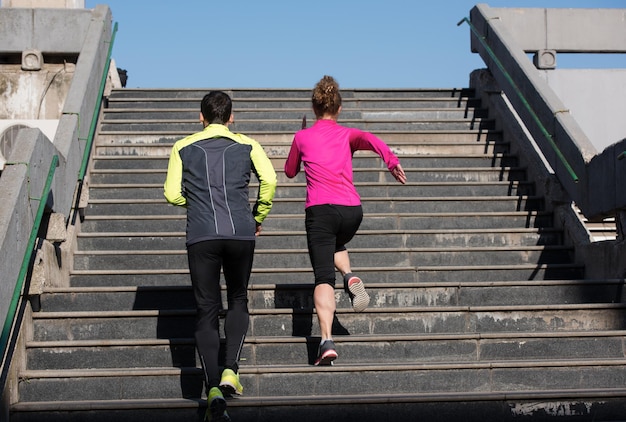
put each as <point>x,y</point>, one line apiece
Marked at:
<point>292,44</point>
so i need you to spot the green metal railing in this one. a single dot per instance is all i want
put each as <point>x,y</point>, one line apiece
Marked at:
<point>525,102</point>
<point>17,292</point>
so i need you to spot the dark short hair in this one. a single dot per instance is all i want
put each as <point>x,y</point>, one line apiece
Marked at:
<point>216,107</point>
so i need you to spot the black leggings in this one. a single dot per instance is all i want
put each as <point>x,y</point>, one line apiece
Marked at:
<point>328,229</point>
<point>206,259</point>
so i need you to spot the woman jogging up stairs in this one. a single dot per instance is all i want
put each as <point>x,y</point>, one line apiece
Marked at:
<point>478,308</point>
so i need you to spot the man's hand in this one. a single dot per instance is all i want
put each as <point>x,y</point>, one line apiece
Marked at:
<point>259,228</point>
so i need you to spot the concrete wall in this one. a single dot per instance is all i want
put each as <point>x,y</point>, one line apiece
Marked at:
<point>565,30</point>
<point>34,94</point>
<point>20,195</point>
<point>67,4</point>
<point>588,93</point>
<point>87,35</point>
<point>593,97</point>
<point>591,178</point>
<point>52,31</point>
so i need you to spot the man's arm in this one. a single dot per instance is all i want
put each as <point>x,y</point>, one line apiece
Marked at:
<point>264,170</point>
<point>173,187</point>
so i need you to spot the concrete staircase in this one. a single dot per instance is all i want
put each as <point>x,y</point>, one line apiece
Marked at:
<point>479,311</point>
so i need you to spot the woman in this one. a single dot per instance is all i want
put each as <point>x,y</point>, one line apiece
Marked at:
<point>333,206</point>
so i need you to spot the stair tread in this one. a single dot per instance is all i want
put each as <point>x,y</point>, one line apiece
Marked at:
<point>361,232</point>
<point>363,269</point>
<point>366,215</point>
<point>339,398</point>
<point>344,367</point>
<point>373,285</point>
<point>510,336</point>
<point>302,184</point>
<point>252,134</point>
<point>364,199</point>
<point>352,250</point>
<point>289,311</point>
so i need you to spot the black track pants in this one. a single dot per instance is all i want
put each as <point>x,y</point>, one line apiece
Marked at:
<point>206,259</point>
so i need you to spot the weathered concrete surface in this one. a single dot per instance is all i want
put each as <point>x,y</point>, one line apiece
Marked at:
<point>590,96</point>
<point>24,29</point>
<point>20,195</point>
<point>578,30</point>
<point>69,4</point>
<point>83,38</point>
<point>602,260</point>
<point>34,95</point>
<point>589,177</point>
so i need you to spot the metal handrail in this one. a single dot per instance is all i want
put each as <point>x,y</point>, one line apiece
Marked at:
<point>525,102</point>
<point>17,292</point>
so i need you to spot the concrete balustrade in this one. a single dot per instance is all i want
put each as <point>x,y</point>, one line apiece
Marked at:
<point>591,144</point>
<point>78,50</point>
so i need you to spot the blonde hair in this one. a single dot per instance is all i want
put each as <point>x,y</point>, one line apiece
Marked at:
<point>326,98</point>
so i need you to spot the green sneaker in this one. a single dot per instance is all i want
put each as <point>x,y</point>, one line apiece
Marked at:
<point>230,382</point>
<point>216,407</point>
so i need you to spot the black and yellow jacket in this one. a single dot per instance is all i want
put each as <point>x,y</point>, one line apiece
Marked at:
<point>209,173</point>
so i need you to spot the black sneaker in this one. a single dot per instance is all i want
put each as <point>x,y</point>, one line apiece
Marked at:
<point>327,353</point>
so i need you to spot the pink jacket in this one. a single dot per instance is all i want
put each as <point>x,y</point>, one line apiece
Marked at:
<point>326,151</point>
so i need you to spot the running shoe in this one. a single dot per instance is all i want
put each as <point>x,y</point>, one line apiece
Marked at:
<point>359,297</point>
<point>230,382</point>
<point>216,407</point>
<point>327,353</point>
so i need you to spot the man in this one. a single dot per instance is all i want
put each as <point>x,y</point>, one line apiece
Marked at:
<point>208,173</point>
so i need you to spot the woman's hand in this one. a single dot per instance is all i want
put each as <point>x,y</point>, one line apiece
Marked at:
<point>398,173</point>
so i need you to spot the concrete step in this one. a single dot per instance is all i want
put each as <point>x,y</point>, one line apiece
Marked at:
<point>302,103</point>
<point>148,207</point>
<point>365,238</point>
<point>295,222</point>
<point>402,148</point>
<point>284,125</point>
<point>366,189</point>
<point>476,406</point>
<point>282,138</point>
<point>359,257</point>
<point>120,162</point>
<point>300,275</point>
<point>361,175</point>
<point>146,324</point>
<point>295,99</point>
<point>548,271</point>
<point>383,295</point>
<point>419,377</point>
<point>249,114</point>
<point>260,94</point>
<point>281,351</point>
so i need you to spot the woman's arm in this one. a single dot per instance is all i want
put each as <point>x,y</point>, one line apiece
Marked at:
<point>361,140</point>
<point>292,165</point>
